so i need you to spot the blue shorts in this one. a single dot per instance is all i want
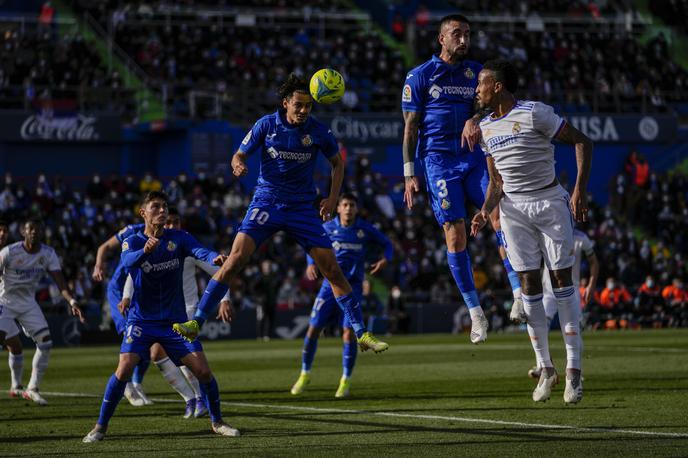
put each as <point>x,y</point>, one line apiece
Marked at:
<point>139,337</point>
<point>114,296</point>
<point>326,310</point>
<point>451,179</point>
<point>300,220</point>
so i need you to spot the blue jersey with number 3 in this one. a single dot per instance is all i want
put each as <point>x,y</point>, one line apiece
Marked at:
<point>288,156</point>
<point>443,94</point>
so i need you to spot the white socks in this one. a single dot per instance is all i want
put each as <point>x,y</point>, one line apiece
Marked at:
<point>193,381</point>
<point>16,363</point>
<point>569,319</point>
<point>39,366</point>
<point>476,312</point>
<point>175,378</point>
<point>537,328</point>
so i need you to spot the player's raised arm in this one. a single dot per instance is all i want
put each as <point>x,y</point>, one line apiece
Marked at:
<point>408,152</point>
<point>134,252</point>
<point>492,197</point>
<point>381,239</point>
<point>328,205</point>
<point>579,198</point>
<point>111,244</point>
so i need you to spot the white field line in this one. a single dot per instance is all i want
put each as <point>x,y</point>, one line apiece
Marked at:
<point>412,416</point>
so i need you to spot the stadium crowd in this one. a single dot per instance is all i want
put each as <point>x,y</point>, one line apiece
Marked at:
<point>642,283</point>
<point>40,70</point>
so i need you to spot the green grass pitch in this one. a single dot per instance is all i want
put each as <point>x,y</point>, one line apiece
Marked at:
<point>430,395</point>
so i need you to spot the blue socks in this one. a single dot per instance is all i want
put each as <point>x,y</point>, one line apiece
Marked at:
<point>349,352</point>
<point>351,307</point>
<point>310,346</point>
<point>513,276</point>
<point>211,397</point>
<point>140,371</point>
<point>211,297</point>
<point>460,266</point>
<point>114,390</point>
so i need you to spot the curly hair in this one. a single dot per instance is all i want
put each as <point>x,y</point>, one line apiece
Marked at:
<point>293,84</point>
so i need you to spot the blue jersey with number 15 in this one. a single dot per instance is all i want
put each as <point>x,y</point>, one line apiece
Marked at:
<point>288,156</point>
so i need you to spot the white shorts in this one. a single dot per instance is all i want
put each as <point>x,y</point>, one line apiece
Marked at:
<point>536,225</point>
<point>30,317</point>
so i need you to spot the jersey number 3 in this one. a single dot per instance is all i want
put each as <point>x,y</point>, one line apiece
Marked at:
<point>442,186</point>
<point>259,216</point>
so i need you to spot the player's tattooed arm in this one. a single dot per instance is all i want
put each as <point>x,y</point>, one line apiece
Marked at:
<point>579,198</point>
<point>492,198</point>
<point>408,152</point>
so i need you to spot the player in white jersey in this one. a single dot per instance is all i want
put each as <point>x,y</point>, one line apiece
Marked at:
<point>535,210</point>
<point>22,265</point>
<point>181,379</point>
<point>12,341</point>
<point>581,245</point>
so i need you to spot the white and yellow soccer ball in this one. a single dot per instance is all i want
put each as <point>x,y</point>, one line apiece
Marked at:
<point>327,86</point>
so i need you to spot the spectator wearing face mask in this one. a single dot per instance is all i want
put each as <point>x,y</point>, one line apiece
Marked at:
<point>648,302</point>
<point>615,298</point>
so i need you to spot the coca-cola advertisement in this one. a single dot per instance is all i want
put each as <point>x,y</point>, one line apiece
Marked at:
<point>45,126</point>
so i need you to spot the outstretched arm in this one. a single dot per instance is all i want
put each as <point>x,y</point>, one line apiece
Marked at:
<point>494,195</point>
<point>579,198</point>
<point>408,152</point>
<point>328,204</point>
<point>99,268</point>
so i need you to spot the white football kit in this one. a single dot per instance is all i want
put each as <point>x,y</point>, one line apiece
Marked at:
<point>534,211</point>
<point>581,245</point>
<point>21,273</point>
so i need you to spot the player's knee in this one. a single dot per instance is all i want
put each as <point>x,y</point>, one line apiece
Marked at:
<point>531,283</point>
<point>203,373</point>
<point>561,278</point>
<point>455,235</point>
<point>14,345</point>
<point>44,340</point>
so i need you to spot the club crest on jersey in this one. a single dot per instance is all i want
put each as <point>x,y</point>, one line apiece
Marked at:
<point>406,94</point>
<point>468,73</point>
<point>360,234</point>
<point>125,246</point>
<point>171,246</point>
<point>306,140</point>
<point>445,204</point>
<point>129,340</point>
<point>516,129</point>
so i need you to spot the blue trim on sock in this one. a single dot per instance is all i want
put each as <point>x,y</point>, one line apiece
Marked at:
<point>351,307</point>
<point>212,296</point>
<point>501,242</point>
<point>140,371</point>
<point>349,352</point>
<point>211,396</point>
<point>310,346</point>
<point>114,391</point>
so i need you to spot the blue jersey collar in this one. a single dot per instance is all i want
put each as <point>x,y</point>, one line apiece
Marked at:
<point>436,59</point>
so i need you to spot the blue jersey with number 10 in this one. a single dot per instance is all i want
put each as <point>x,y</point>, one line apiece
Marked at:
<point>288,156</point>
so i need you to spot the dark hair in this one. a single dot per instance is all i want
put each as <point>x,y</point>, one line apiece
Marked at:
<point>348,196</point>
<point>34,221</point>
<point>504,72</point>
<point>453,17</point>
<point>293,84</point>
<point>4,223</point>
<point>152,196</point>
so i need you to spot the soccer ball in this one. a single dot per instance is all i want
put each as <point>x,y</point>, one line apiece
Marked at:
<point>327,86</point>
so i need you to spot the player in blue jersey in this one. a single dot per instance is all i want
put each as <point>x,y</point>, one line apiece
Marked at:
<point>134,391</point>
<point>155,259</point>
<point>442,130</point>
<point>289,142</point>
<point>351,238</point>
